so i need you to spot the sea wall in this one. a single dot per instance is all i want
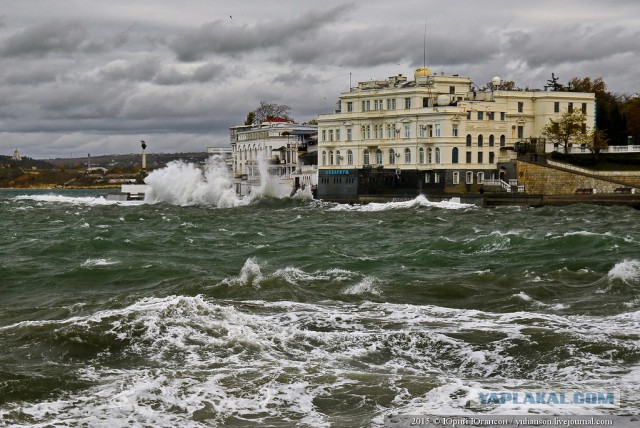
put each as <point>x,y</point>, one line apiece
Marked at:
<point>545,180</point>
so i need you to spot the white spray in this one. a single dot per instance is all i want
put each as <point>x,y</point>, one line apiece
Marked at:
<point>182,183</point>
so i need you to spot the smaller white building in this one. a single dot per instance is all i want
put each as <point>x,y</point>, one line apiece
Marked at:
<point>284,150</point>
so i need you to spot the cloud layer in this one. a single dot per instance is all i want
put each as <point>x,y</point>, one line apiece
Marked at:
<point>98,78</point>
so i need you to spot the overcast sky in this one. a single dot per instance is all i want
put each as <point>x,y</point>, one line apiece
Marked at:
<point>89,76</point>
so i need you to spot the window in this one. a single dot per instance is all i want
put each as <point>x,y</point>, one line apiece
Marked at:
<point>570,108</point>
<point>324,135</point>
<point>437,155</point>
<point>421,155</point>
<point>469,177</point>
<point>390,130</point>
<point>452,89</point>
<point>480,160</point>
<point>454,155</point>
<point>425,102</point>
<point>407,131</point>
<point>379,157</point>
<point>520,106</point>
<point>368,132</point>
<point>364,106</point>
<point>421,131</point>
<point>480,177</point>
<point>407,155</point>
<point>391,104</point>
<point>330,157</point>
<point>502,116</point>
<point>349,135</point>
<point>324,158</point>
<point>427,178</point>
<point>407,103</point>
<point>338,157</point>
<point>492,157</point>
<point>584,108</point>
<point>337,135</point>
<point>436,178</point>
<point>491,115</point>
<point>491,140</point>
<point>392,156</point>
<point>556,107</point>
<point>365,156</point>
<point>503,141</point>
<point>469,115</point>
<point>429,155</point>
<point>520,132</point>
<point>480,140</point>
<point>437,130</point>
<point>456,177</point>
<point>480,115</point>
<point>331,135</point>
<point>349,106</point>
<point>468,157</point>
<point>454,130</point>
<point>375,105</point>
<point>468,140</point>
<point>349,157</point>
<point>430,130</point>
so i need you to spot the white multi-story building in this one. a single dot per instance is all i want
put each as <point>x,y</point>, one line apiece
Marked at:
<point>435,134</point>
<point>277,148</point>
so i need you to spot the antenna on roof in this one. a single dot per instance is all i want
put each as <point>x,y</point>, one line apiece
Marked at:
<point>424,45</point>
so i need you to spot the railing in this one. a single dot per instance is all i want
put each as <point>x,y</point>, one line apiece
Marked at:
<point>591,171</point>
<point>498,183</point>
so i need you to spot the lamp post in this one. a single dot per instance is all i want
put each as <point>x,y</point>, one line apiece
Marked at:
<point>144,156</point>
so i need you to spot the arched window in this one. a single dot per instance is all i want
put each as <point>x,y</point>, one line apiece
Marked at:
<point>480,140</point>
<point>421,155</point>
<point>379,157</point>
<point>468,140</point>
<point>456,177</point>
<point>330,157</point>
<point>429,155</point>
<point>502,141</point>
<point>392,156</point>
<point>437,155</point>
<point>469,178</point>
<point>491,140</point>
<point>407,155</point>
<point>338,157</point>
<point>349,157</point>
<point>324,158</point>
<point>454,155</point>
<point>365,156</point>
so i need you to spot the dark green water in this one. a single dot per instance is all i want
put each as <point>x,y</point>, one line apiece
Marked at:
<point>297,312</point>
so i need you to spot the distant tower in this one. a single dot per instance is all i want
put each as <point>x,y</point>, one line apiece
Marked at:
<point>144,156</point>
<point>88,161</point>
<point>16,155</point>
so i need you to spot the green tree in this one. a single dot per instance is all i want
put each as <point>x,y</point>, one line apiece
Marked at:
<point>568,129</point>
<point>250,118</point>
<point>632,115</point>
<point>595,141</point>
<point>553,83</point>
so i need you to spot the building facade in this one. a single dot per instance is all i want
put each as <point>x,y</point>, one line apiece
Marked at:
<point>434,135</point>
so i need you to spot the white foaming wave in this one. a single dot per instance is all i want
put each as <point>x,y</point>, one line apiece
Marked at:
<point>185,184</point>
<point>98,262</point>
<point>368,285</point>
<point>627,271</point>
<point>525,297</point>
<point>214,362</point>
<point>419,201</point>
<point>77,200</point>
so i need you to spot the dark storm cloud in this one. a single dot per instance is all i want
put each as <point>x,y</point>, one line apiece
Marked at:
<point>226,37</point>
<point>45,38</point>
<point>553,45</point>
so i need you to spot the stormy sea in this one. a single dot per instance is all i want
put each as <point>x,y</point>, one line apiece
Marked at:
<point>199,308</point>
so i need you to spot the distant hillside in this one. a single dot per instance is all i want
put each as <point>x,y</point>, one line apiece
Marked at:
<point>154,160</point>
